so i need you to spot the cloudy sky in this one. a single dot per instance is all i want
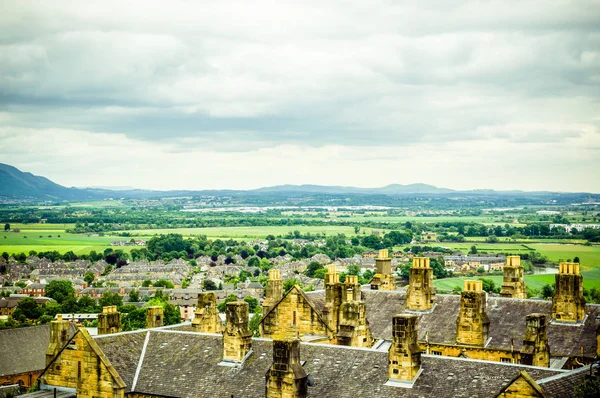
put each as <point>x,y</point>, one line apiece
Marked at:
<point>221,94</point>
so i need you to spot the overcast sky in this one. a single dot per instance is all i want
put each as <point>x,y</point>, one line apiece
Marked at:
<point>220,94</point>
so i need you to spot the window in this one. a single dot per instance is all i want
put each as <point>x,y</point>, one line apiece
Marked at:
<point>436,352</point>
<point>506,360</point>
<point>294,317</point>
<point>79,370</point>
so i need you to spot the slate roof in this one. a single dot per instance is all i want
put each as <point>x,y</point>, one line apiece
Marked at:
<point>506,315</point>
<point>562,385</point>
<point>185,364</point>
<point>20,349</point>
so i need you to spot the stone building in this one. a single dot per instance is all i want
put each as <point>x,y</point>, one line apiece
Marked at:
<point>341,320</point>
<point>171,362</point>
<point>568,304</point>
<point>206,317</point>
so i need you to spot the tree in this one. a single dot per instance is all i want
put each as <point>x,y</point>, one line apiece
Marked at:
<point>489,286</point>
<point>6,227</point>
<point>289,283</point>
<point>164,283</point>
<point>576,259</point>
<point>134,296</point>
<point>110,298</point>
<point>312,268</point>
<point>252,303</point>
<point>222,306</point>
<point>29,307</point>
<point>253,262</point>
<point>147,283</point>
<point>87,304</point>
<point>89,277</point>
<point>588,388</point>
<point>473,250</point>
<point>547,291</point>
<point>353,269</point>
<point>208,284</point>
<point>254,324</point>
<point>60,290</point>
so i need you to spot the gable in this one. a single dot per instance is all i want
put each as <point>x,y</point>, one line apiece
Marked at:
<point>522,386</point>
<point>81,364</point>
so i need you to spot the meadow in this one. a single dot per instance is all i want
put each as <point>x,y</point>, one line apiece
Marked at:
<point>253,232</point>
<point>50,237</point>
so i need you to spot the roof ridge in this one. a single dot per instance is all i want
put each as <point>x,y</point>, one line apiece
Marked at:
<point>565,374</point>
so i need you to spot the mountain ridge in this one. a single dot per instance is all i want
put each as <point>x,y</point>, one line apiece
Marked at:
<point>16,184</point>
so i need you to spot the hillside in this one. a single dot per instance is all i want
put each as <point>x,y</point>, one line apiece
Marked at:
<point>21,185</point>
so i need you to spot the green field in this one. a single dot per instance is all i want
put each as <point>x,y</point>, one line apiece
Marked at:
<point>50,237</point>
<point>591,278</point>
<point>253,232</point>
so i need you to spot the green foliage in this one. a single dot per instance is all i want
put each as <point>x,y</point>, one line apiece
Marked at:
<point>164,283</point>
<point>134,319</point>
<point>253,303</point>
<point>254,324</point>
<point>589,388</point>
<point>147,283</point>
<point>489,286</point>
<point>208,284</point>
<point>60,290</point>
<point>110,298</point>
<point>6,227</point>
<point>87,305</point>
<point>473,250</point>
<point>134,296</point>
<point>253,261</point>
<point>289,283</point>
<point>89,277</point>
<point>29,308</point>
<point>312,267</point>
<point>222,306</point>
<point>547,291</point>
<point>320,273</point>
<point>171,313</point>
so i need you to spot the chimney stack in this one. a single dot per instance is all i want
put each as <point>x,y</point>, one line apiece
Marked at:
<point>353,325</point>
<point>237,338</point>
<point>513,285</point>
<point>109,320</point>
<point>206,316</point>
<point>421,293</point>
<point>383,278</point>
<point>472,324</point>
<point>535,350</point>
<point>154,317</point>
<point>404,353</point>
<point>59,336</point>
<point>274,290</point>
<point>568,304</point>
<point>286,378</point>
<point>333,297</point>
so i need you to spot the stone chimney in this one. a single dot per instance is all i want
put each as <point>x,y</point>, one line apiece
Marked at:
<point>421,293</point>
<point>568,304</point>
<point>206,316</point>
<point>334,291</point>
<point>353,325</point>
<point>535,350</point>
<point>274,290</point>
<point>404,354</point>
<point>109,320</point>
<point>59,336</point>
<point>286,378</point>
<point>513,285</point>
<point>472,325</point>
<point>383,278</point>
<point>237,338</point>
<point>154,317</point>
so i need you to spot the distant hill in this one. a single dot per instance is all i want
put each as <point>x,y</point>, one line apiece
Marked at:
<point>392,189</point>
<point>17,184</point>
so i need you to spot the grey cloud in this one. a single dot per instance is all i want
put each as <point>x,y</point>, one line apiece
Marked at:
<point>231,75</point>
